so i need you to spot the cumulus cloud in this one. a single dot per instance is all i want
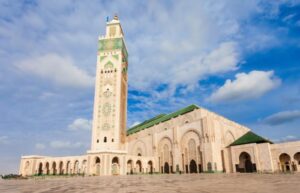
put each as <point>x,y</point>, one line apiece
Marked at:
<point>58,69</point>
<point>246,86</point>
<point>65,145</point>
<point>40,146</point>
<point>282,117</point>
<point>222,59</point>
<point>3,140</point>
<point>80,124</point>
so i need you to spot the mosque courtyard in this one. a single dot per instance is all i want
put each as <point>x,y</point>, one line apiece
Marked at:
<point>201,183</point>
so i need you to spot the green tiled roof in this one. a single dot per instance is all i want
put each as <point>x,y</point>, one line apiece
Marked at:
<point>250,137</point>
<point>159,119</point>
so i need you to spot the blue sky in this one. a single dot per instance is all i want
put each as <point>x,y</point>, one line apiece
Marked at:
<point>240,59</point>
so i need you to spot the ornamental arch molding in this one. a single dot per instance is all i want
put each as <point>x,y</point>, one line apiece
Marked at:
<point>190,148</point>
<point>165,154</point>
<point>191,133</point>
<point>165,140</point>
<point>139,149</point>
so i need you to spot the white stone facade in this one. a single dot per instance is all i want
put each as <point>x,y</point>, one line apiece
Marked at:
<point>191,142</point>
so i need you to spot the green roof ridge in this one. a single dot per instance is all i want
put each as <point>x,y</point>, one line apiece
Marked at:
<point>160,118</point>
<point>250,137</point>
<point>132,129</point>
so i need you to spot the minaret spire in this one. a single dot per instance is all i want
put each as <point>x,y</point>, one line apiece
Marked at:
<point>110,102</point>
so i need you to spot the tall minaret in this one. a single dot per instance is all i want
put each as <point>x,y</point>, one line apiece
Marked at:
<point>110,103</point>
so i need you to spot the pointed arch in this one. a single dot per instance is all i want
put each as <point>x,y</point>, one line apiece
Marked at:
<point>190,147</point>
<point>165,148</point>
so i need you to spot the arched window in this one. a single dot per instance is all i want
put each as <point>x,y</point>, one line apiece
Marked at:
<point>115,160</point>
<point>97,160</point>
<point>105,139</point>
<point>297,157</point>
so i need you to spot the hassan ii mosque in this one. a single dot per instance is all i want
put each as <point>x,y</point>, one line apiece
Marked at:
<point>190,140</point>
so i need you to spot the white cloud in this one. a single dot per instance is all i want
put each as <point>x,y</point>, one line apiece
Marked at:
<point>40,146</point>
<point>282,117</point>
<point>286,139</point>
<point>58,69</point>
<point>3,140</point>
<point>246,86</point>
<point>65,145</point>
<point>80,124</point>
<point>135,123</point>
<point>222,59</point>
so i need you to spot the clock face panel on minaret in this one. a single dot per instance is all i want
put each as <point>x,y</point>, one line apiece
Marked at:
<point>110,106</point>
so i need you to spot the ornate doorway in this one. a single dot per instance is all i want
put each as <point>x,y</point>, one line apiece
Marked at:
<point>246,164</point>
<point>166,168</point>
<point>193,166</point>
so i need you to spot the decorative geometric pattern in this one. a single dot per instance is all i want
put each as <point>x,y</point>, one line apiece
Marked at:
<point>106,109</point>
<point>107,93</point>
<point>105,126</point>
<point>116,57</point>
<point>102,58</point>
<point>108,65</point>
<point>109,44</point>
<point>112,44</point>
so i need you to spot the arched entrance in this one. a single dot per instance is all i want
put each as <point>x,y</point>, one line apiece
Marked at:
<point>26,168</point>
<point>129,167</point>
<point>165,155</point>
<point>68,167</point>
<point>115,169</point>
<point>60,168</point>
<point>166,168</point>
<point>47,168</point>
<point>40,172</point>
<point>139,166</point>
<point>190,148</point>
<point>297,161</point>
<point>245,164</point>
<point>285,162</point>
<point>76,167</point>
<point>83,167</point>
<point>97,166</point>
<point>150,167</point>
<point>54,168</point>
<point>297,158</point>
<point>193,166</point>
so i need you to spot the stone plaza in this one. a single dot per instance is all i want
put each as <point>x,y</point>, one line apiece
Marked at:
<point>188,183</point>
